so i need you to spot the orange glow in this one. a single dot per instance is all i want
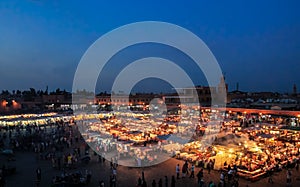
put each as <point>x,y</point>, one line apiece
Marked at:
<point>4,103</point>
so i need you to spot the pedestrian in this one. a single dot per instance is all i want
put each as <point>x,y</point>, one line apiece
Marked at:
<point>99,158</point>
<point>144,183</point>
<point>38,173</point>
<point>166,182</point>
<point>103,158</point>
<point>111,162</point>
<point>2,179</point>
<point>211,184</point>
<point>114,171</point>
<point>235,183</point>
<point>153,183</point>
<point>53,162</point>
<point>88,176</point>
<point>200,175</point>
<point>101,183</point>
<point>38,176</point>
<point>143,176</point>
<point>230,174</point>
<point>113,181</point>
<point>270,179</point>
<point>192,171</point>
<point>160,183</point>
<point>59,163</point>
<point>209,167</point>
<point>177,171</point>
<point>222,178</point>
<point>139,184</point>
<point>184,169</point>
<point>201,183</point>
<point>173,181</point>
<point>288,177</point>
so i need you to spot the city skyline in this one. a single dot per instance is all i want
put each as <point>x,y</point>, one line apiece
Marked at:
<point>256,43</point>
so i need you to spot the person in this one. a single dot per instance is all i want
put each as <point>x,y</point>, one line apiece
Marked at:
<point>235,169</point>
<point>101,183</point>
<point>88,176</point>
<point>2,179</point>
<point>270,179</point>
<point>211,184</point>
<point>59,163</point>
<point>53,162</point>
<point>143,175</point>
<point>114,171</point>
<point>288,177</point>
<point>38,176</point>
<point>166,181</point>
<point>235,183</point>
<point>201,183</point>
<point>69,160</point>
<point>192,171</point>
<point>113,181</point>
<point>99,158</point>
<point>230,174</point>
<point>111,162</point>
<point>177,171</point>
<point>200,175</point>
<point>209,167</point>
<point>160,183</point>
<point>103,158</point>
<point>139,184</point>
<point>222,178</point>
<point>184,169</point>
<point>153,183</point>
<point>144,183</point>
<point>173,181</point>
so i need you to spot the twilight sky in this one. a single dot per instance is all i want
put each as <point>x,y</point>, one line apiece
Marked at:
<point>257,43</point>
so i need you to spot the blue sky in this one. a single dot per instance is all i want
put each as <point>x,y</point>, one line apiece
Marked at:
<point>257,43</point>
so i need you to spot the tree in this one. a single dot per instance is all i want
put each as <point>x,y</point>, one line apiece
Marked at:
<point>5,93</point>
<point>19,93</point>
<point>58,91</point>
<point>32,92</point>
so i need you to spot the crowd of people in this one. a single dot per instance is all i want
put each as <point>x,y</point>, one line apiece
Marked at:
<point>187,172</point>
<point>62,146</point>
